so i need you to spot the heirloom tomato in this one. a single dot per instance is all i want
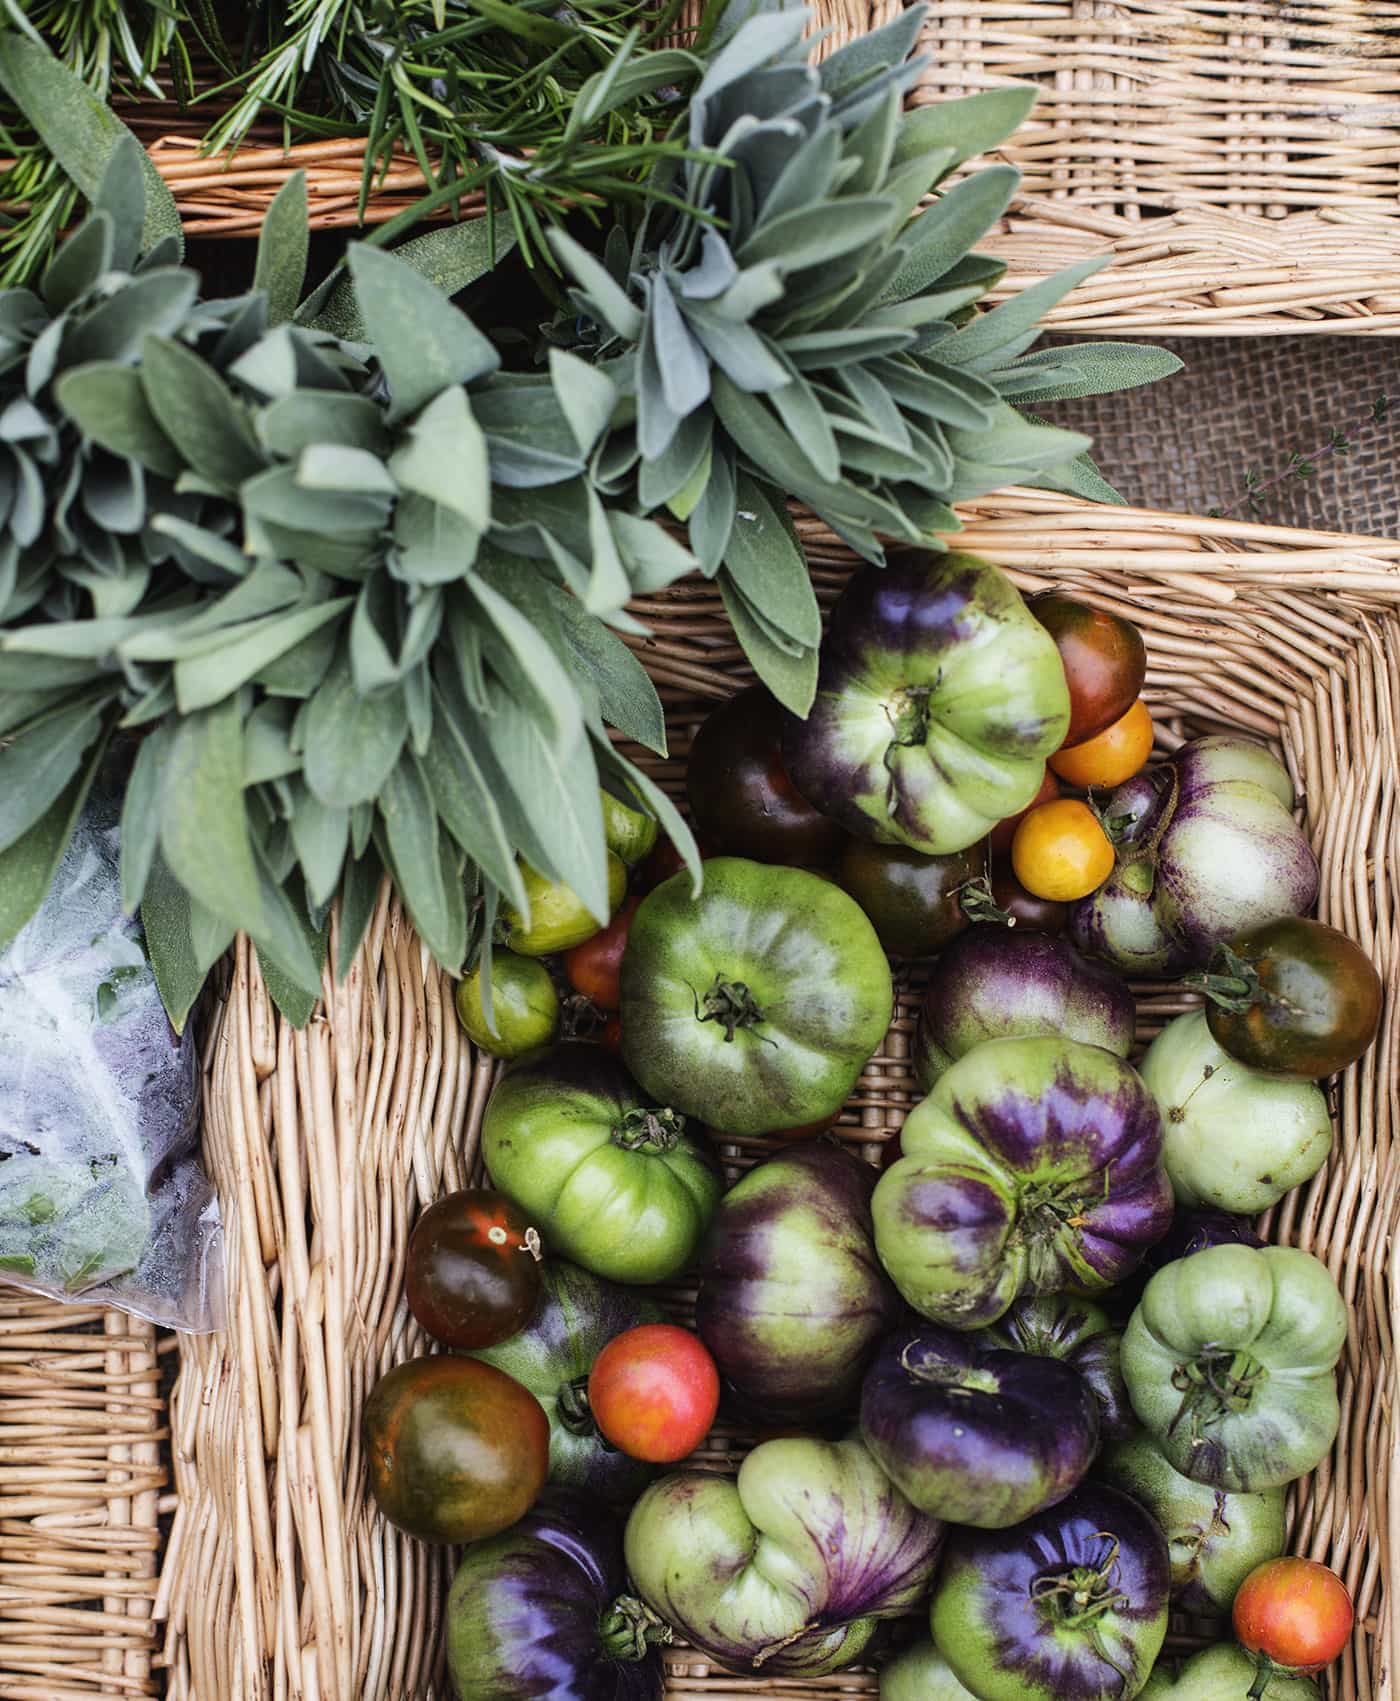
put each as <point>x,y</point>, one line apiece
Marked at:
<point>473,1271</point>
<point>1223,1673</point>
<point>524,1006</point>
<point>456,1451</point>
<point>914,902</point>
<point>654,1392</point>
<point>1110,756</point>
<point>559,918</point>
<point>1061,852</point>
<point>1293,1614</point>
<point>1104,660</point>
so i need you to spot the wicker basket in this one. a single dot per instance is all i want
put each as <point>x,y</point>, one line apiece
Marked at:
<point>280,1580</point>
<point>1238,157</point>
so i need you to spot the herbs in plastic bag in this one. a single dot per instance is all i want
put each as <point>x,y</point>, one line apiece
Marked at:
<point>102,1196</point>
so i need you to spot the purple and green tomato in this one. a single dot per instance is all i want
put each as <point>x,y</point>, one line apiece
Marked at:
<point>787,1570</point>
<point>1216,1539</point>
<point>1069,1606</point>
<point>1033,1166</point>
<point>1223,1673</point>
<point>1230,1362</point>
<point>1077,1332</point>
<point>1002,983</point>
<point>1222,803</point>
<point>544,1610</point>
<point>792,1296</point>
<point>939,697</point>
<point>973,1434</point>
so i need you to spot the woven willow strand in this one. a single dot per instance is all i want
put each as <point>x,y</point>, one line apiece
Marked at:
<point>280,1581</point>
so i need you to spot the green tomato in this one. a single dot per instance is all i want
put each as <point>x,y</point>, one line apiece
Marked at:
<point>1232,1137</point>
<point>1222,1673</point>
<point>921,1673</point>
<point>524,1006</point>
<point>630,833</point>
<point>559,918</point>
<point>756,1005</point>
<point>614,1183</point>
<point>1216,1539</point>
<point>1230,1363</point>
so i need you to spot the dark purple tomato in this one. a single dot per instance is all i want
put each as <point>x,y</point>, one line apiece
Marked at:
<point>1292,997</point>
<point>914,902</point>
<point>1023,908</point>
<point>473,1275</point>
<point>743,802</point>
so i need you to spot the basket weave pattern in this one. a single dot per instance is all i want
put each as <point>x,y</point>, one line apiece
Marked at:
<point>280,1580</point>
<point>1237,157</point>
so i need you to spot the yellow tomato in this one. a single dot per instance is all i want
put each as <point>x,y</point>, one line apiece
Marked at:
<point>1111,756</point>
<point>1060,851</point>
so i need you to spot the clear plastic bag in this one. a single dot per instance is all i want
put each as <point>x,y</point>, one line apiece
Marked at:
<point>102,1197</point>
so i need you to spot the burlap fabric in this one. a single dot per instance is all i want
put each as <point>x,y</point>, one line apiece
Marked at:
<point>1250,403</point>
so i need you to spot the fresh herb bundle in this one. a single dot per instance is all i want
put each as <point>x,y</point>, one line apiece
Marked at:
<point>353,604</point>
<point>782,327</point>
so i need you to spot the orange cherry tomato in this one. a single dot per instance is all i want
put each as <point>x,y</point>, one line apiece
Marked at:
<point>593,967</point>
<point>1293,1613</point>
<point>1060,851</point>
<point>1000,837</point>
<point>1111,756</point>
<point>654,1392</point>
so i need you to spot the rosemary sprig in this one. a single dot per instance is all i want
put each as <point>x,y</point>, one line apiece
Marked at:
<point>1301,467</point>
<point>110,44</point>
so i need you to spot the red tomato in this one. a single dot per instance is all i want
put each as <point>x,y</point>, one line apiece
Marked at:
<point>1104,658</point>
<point>654,1392</point>
<point>1000,837</point>
<point>593,967</point>
<point>1293,1613</point>
<point>611,1037</point>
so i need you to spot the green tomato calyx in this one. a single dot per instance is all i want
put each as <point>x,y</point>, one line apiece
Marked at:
<point>979,905</point>
<point>731,1004</point>
<point>924,1367</point>
<point>1045,1213</point>
<point>1217,1382</point>
<point>571,1405</point>
<point>1266,1671</point>
<point>1234,984</point>
<point>629,1627</point>
<point>1079,1596</point>
<point>657,1130</point>
<point>908,714</point>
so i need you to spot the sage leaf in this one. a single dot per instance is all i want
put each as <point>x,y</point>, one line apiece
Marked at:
<point>812,236</point>
<point>601,297</point>
<point>141,813</point>
<point>445,459</point>
<point>1019,316</point>
<point>360,890</point>
<point>80,131</point>
<point>586,397</point>
<point>238,656</point>
<point>334,467</point>
<point>204,832</point>
<point>423,343</point>
<point>293,423</point>
<point>283,245</point>
<point>107,403</point>
<point>933,243</point>
<point>1086,369</point>
<point>547,678</point>
<point>450,258</point>
<point>351,742</point>
<point>79,263</point>
<point>791,679</point>
<point>165,921</point>
<point>971,125</point>
<point>153,305</point>
<point>851,68</point>
<point>29,864</point>
<point>198,413</point>
<point>37,765</point>
<point>653,558</point>
<point>627,698</point>
<point>765,561</point>
<point>467,804</point>
<point>412,839</point>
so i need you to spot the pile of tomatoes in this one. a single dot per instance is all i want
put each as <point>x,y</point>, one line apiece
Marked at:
<point>558,1371</point>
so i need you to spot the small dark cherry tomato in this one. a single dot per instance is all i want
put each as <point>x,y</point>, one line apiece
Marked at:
<point>743,802</point>
<point>1294,1615</point>
<point>473,1271</point>
<point>913,901</point>
<point>1292,997</point>
<point>1035,915</point>
<point>456,1450</point>
<point>654,1392</point>
<point>594,966</point>
<point>1105,662</point>
<point>1000,837</point>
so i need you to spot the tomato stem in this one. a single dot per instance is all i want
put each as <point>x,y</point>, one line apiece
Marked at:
<point>640,1126</point>
<point>629,1627</point>
<point>1266,1670</point>
<point>908,716</point>
<point>731,1004</point>
<point>1230,982</point>
<point>978,904</point>
<point>571,1403</point>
